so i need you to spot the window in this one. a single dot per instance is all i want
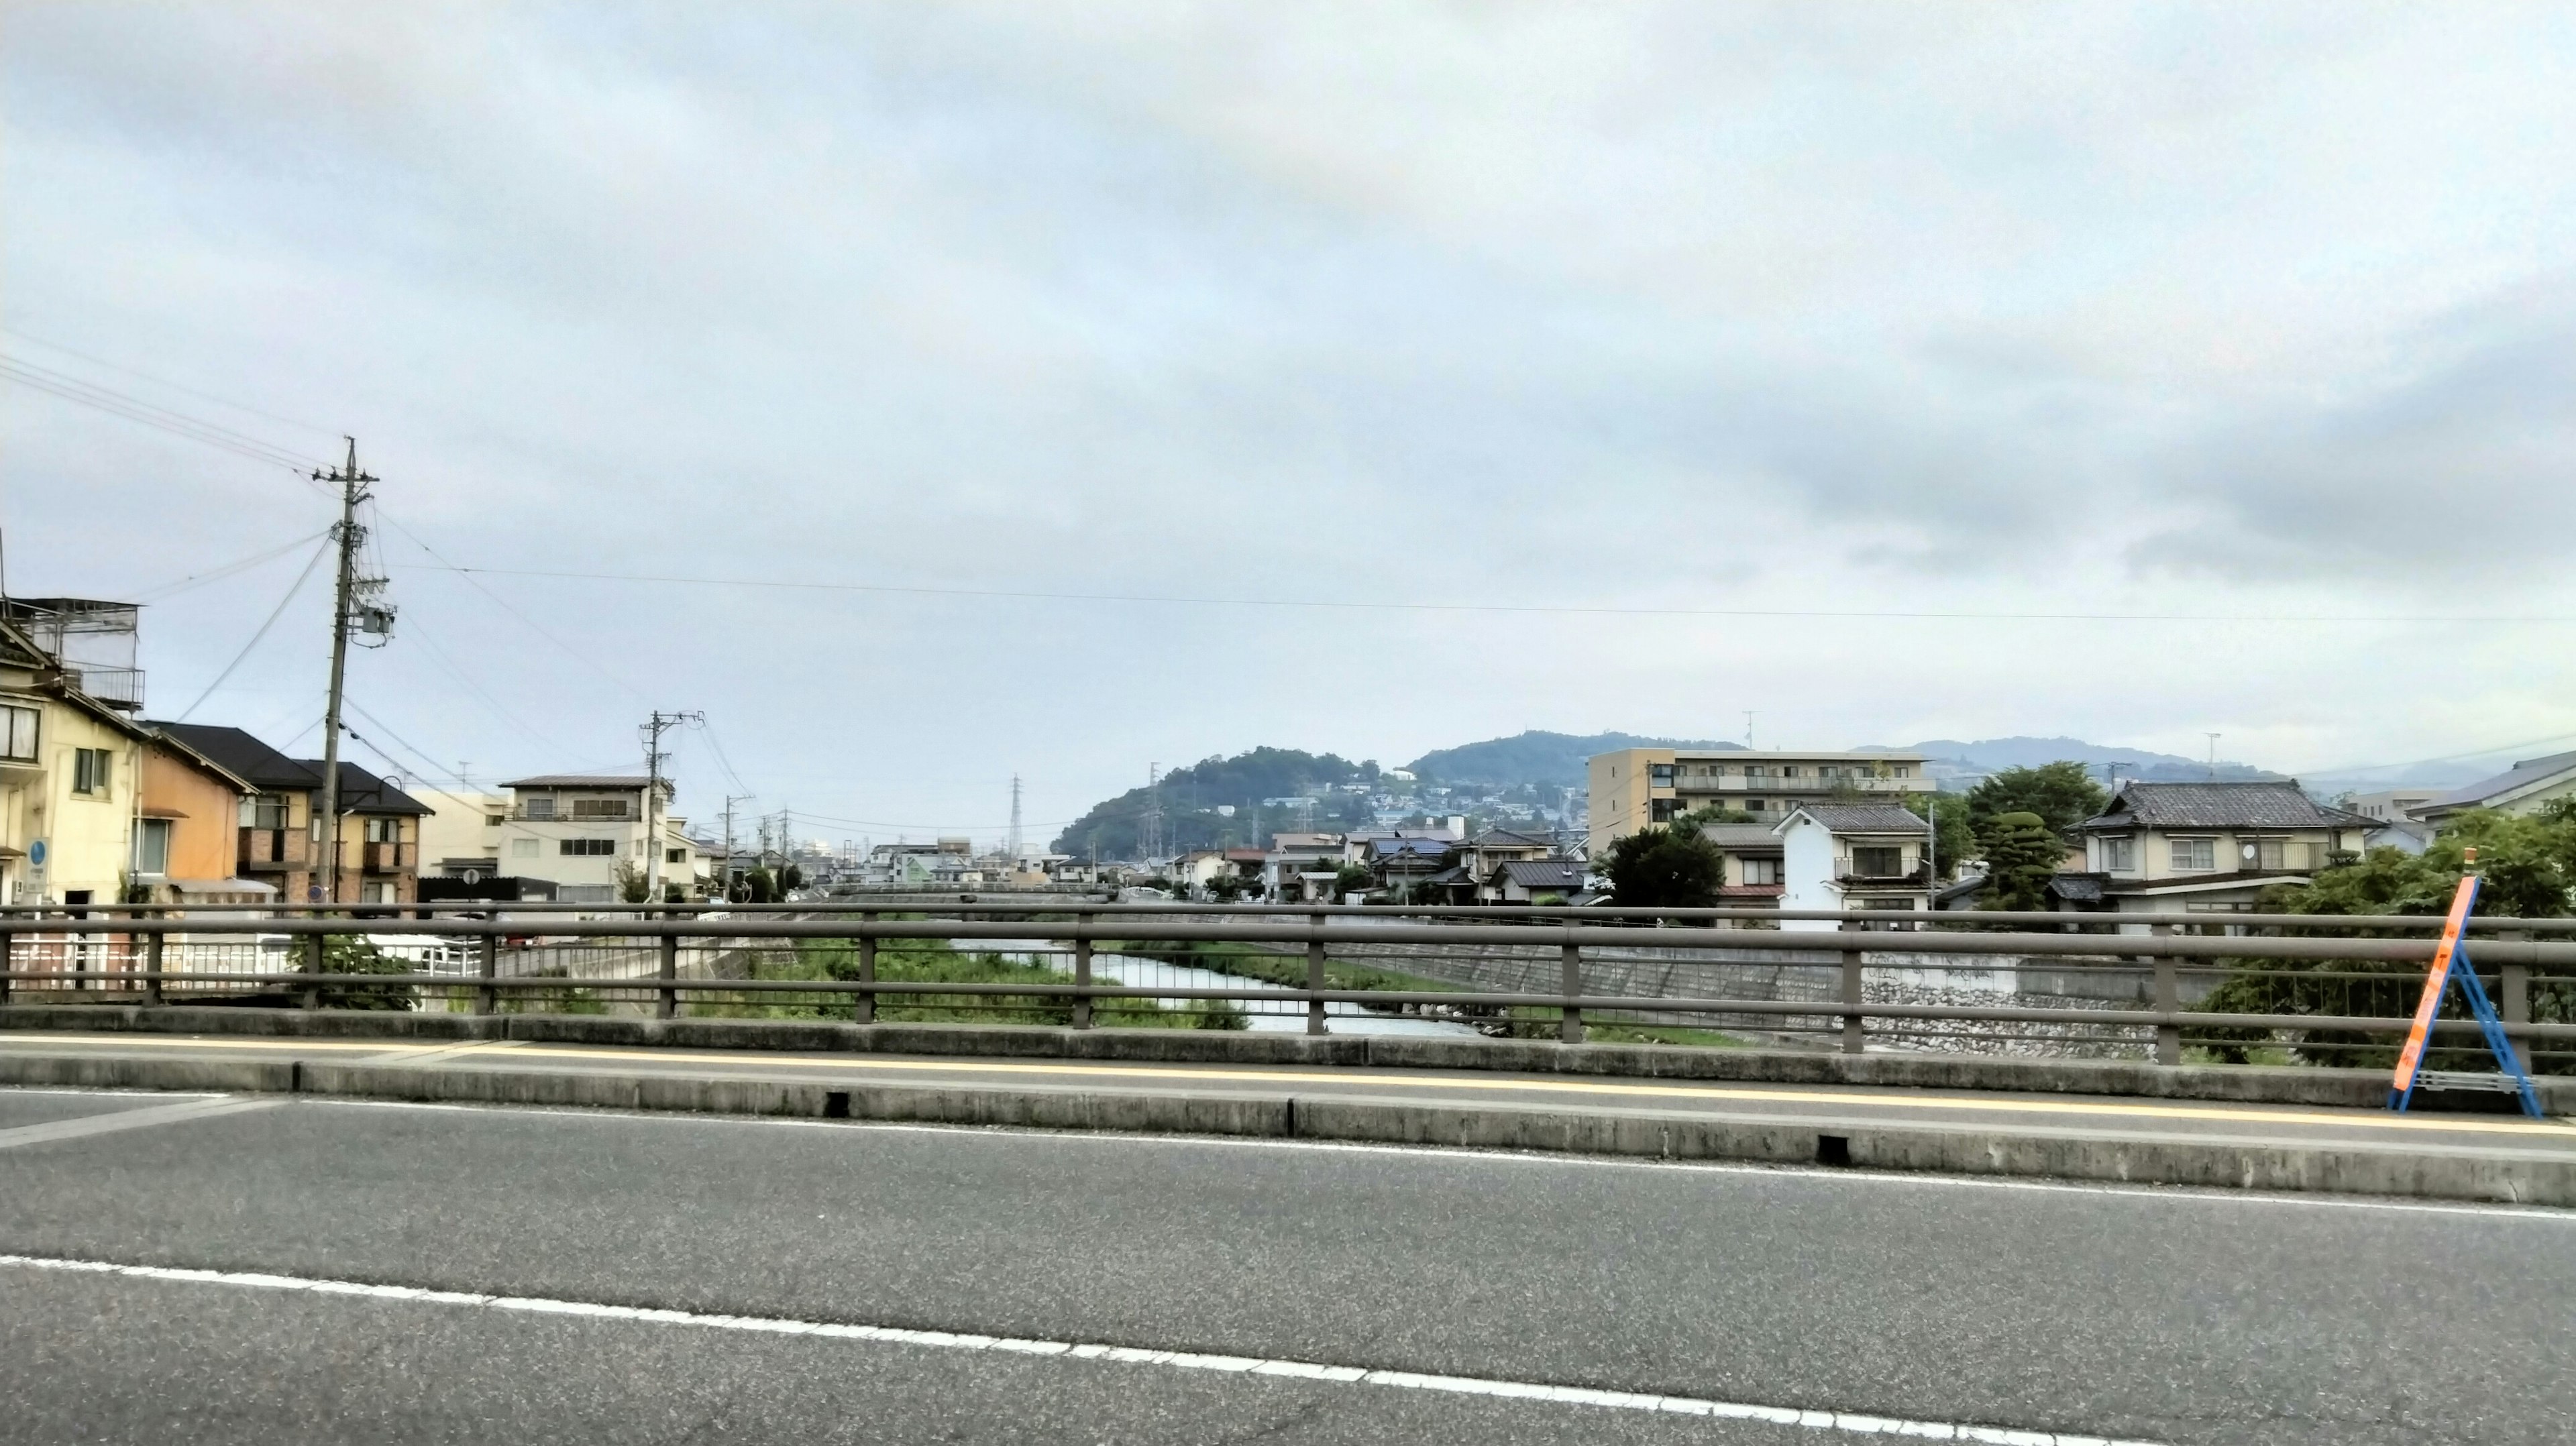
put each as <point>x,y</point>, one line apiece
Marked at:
<point>18,734</point>
<point>493,820</point>
<point>263,810</point>
<point>523,848</point>
<point>1905,770</point>
<point>1878,863</point>
<point>2270,852</point>
<point>384,830</point>
<point>2195,855</point>
<point>587,847</point>
<point>1755,805</point>
<point>1659,775</point>
<point>152,846</point>
<point>1662,810</point>
<point>89,770</point>
<point>2119,855</point>
<point>675,856</point>
<point>599,808</point>
<point>543,807</point>
<point>1761,871</point>
<point>381,892</point>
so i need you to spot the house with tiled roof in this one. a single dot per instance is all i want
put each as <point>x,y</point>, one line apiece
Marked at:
<point>2203,847</point>
<point>1843,857</point>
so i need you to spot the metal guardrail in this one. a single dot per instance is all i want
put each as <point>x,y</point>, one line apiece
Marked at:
<point>129,956</point>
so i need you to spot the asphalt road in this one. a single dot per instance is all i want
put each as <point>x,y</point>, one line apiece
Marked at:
<point>2139,1314</point>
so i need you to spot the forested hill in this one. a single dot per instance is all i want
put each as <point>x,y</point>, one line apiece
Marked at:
<point>1190,796</point>
<point>1549,760</point>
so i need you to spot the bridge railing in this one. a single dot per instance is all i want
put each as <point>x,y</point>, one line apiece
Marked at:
<point>2227,988</point>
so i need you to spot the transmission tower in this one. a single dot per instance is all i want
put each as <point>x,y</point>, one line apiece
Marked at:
<point>1015,820</point>
<point>1149,837</point>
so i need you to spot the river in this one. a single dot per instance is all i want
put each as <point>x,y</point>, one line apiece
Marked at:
<point>1342,1016</point>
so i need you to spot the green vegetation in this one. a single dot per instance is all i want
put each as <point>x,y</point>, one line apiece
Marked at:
<point>345,954</point>
<point>1663,868</point>
<point>1191,795</point>
<point>1550,760</point>
<point>2529,867</point>
<point>1953,840</point>
<point>937,961</point>
<point>2021,854</point>
<point>2061,793</point>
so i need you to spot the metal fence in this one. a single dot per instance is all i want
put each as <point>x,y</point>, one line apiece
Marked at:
<point>2224,988</point>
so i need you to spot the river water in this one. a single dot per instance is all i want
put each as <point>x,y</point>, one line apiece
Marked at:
<point>1342,1016</point>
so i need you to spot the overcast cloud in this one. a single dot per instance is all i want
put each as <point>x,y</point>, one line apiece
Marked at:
<point>2256,311</point>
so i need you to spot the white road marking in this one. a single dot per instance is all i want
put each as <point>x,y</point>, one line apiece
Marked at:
<point>1909,1178</point>
<point>142,1119</point>
<point>1849,1422</point>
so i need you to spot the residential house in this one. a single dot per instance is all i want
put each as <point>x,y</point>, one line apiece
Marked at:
<point>2203,847</point>
<point>1537,881</point>
<point>2521,789</point>
<point>1843,857</point>
<point>70,774</point>
<point>2393,805</point>
<point>462,834</point>
<point>1400,862</point>
<point>1301,867</point>
<point>276,840</point>
<point>1750,869</point>
<point>1481,855</point>
<point>1636,788</point>
<point>186,847</point>
<point>588,834</point>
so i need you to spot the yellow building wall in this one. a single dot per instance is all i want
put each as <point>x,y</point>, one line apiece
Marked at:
<point>87,835</point>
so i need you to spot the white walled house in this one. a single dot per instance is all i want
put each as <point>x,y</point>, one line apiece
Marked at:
<point>1841,857</point>
<point>586,834</point>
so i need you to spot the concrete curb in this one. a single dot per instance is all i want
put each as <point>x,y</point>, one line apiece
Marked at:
<point>2502,1176</point>
<point>2238,1084</point>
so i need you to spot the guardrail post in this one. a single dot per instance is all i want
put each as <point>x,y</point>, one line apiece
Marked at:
<point>1315,979</point>
<point>2168,1001</point>
<point>487,966</point>
<point>1082,980</point>
<point>866,1012</point>
<point>1854,1023</point>
<point>666,999</point>
<point>2517,1004</point>
<point>155,949</point>
<point>8,961</point>
<point>1569,1030</point>
<point>313,966</point>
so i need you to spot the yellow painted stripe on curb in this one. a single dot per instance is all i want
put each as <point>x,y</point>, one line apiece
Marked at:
<point>520,1049</point>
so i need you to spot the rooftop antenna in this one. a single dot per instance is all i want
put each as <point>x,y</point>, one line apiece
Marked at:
<point>2213,757</point>
<point>1748,727</point>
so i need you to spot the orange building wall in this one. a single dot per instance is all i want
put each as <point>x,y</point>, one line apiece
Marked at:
<point>204,814</point>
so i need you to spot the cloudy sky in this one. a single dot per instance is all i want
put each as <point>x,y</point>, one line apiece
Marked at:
<point>1150,381</point>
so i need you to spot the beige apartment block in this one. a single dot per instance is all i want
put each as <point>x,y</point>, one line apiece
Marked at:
<point>1636,788</point>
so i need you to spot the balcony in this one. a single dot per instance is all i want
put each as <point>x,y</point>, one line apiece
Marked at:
<point>386,858</point>
<point>272,848</point>
<point>1917,877</point>
<point>1803,783</point>
<point>116,687</point>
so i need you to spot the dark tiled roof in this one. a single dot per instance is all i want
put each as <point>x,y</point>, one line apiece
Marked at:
<point>240,754</point>
<point>1863,817</point>
<point>2078,888</point>
<point>581,780</point>
<point>1741,836</point>
<point>2521,775</point>
<point>1544,873</point>
<point>1503,838</point>
<point>2218,805</point>
<point>1422,848</point>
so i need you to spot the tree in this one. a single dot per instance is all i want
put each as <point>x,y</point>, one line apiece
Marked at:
<point>2021,854</point>
<point>1662,868</point>
<point>1711,813</point>
<point>1226,888</point>
<point>2061,793</point>
<point>1953,842</point>
<point>350,954</point>
<point>632,886</point>
<point>756,887</point>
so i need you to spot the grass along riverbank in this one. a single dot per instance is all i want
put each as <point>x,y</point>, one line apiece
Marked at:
<point>936,961</point>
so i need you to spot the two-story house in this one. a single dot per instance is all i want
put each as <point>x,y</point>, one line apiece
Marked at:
<point>277,839</point>
<point>1638,788</point>
<point>2203,847</point>
<point>589,835</point>
<point>70,770</point>
<point>1853,856</point>
<point>2523,788</point>
<point>1751,862</point>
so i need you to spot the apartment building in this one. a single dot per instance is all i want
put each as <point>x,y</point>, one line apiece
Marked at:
<point>1637,788</point>
<point>590,836</point>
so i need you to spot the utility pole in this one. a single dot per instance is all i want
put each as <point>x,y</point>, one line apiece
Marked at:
<point>653,730</point>
<point>1748,727</point>
<point>353,490</point>
<point>2213,757</point>
<point>1152,841</point>
<point>730,800</point>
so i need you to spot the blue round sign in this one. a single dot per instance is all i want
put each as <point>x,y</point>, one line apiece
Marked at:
<point>36,853</point>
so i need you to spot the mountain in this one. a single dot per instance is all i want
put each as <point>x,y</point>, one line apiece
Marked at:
<point>1190,797</point>
<point>1549,760</point>
<point>1988,755</point>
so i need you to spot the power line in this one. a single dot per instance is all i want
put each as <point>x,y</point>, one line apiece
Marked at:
<point>200,579</point>
<point>332,432</point>
<point>1338,605</point>
<point>533,625</point>
<point>274,614</point>
<point>135,409</point>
